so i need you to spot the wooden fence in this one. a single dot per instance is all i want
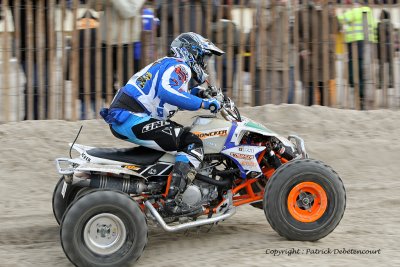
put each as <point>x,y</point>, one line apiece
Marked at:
<point>65,59</point>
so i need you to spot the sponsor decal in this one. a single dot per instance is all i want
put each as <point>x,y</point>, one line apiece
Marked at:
<point>242,156</point>
<point>246,149</point>
<point>142,80</point>
<point>212,134</point>
<point>248,163</point>
<point>132,167</point>
<point>154,125</point>
<point>182,74</point>
<point>85,157</point>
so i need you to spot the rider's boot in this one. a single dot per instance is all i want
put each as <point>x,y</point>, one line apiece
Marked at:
<point>182,173</point>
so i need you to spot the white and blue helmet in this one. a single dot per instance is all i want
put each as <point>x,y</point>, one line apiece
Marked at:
<point>195,50</point>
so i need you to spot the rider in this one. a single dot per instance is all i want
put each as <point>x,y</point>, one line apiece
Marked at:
<point>140,111</point>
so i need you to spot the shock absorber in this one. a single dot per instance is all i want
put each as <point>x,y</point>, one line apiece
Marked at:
<point>272,159</point>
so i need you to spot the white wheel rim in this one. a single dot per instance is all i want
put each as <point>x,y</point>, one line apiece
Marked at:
<point>104,234</point>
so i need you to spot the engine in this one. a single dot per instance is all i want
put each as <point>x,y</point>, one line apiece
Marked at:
<point>199,193</point>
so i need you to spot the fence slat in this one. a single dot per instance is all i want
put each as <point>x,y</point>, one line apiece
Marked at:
<point>74,60</point>
<point>51,70</point>
<point>29,61</point>
<point>6,62</point>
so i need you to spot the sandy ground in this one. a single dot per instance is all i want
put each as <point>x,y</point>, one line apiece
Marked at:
<point>363,147</point>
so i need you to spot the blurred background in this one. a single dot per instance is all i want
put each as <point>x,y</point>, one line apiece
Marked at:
<point>66,59</point>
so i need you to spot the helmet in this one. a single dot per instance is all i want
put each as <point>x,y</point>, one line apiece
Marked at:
<point>194,49</point>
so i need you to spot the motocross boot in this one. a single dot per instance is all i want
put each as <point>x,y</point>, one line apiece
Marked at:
<point>182,173</point>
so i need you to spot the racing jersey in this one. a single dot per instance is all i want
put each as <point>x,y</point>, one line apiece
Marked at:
<point>162,87</point>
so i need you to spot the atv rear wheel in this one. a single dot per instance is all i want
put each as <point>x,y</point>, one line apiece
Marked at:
<point>304,200</point>
<point>103,228</point>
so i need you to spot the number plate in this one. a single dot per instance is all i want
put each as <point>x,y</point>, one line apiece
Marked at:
<point>64,189</point>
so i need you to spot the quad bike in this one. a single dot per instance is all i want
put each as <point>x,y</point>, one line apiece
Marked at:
<point>106,195</point>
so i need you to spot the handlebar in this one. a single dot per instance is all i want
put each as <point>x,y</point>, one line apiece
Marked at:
<point>228,109</point>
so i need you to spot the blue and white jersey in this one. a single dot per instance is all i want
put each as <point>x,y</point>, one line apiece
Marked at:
<point>162,87</point>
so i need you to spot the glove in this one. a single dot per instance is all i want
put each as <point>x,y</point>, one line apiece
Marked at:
<point>212,104</point>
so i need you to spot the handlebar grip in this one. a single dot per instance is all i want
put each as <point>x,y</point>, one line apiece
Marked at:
<point>213,107</point>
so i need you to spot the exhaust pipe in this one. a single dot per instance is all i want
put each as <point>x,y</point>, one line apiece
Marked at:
<point>188,225</point>
<point>127,185</point>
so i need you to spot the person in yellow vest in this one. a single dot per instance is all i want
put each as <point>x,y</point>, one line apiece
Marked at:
<point>352,23</point>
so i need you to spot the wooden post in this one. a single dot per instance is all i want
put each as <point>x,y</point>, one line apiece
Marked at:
<point>51,69</point>
<point>296,22</point>
<point>382,63</point>
<point>253,61</point>
<point>230,54</point>
<point>367,67</point>
<point>6,68</point>
<point>74,61</point>
<point>109,62</point>
<point>62,99</point>
<point>239,67</point>
<point>86,99</point>
<point>219,44</point>
<point>29,61</point>
<point>356,80</point>
<point>176,19</point>
<point>315,58</point>
<point>306,59</point>
<point>325,54</point>
<point>99,65</point>
<point>17,36</point>
<point>260,55</point>
<point>284,94</point>
<point>271,72</point>
<point>164,28</point>
<point>40,55</point>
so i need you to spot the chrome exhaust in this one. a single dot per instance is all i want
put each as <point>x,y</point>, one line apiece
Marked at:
<point>188,225</point>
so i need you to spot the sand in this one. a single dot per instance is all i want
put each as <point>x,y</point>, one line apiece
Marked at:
<point>362,146</point>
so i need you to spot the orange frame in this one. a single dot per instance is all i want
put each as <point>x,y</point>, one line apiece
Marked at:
<point>238,200</point>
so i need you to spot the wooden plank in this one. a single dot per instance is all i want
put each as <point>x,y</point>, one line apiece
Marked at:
<point>17,36</point>
<point>314,58</point>
<point>382,76</point>
<point>272,77</point>
<point>40,55</point>
<point>62,99</point>
<point>284,94</point>
<point>51,69</point>
<point>120,63</point>
<point>369,91</point>
<point>99,65</point>
<point>253,61</point>
<point>260,53</point>
<point>74,61</point>
<point>6,65</point>
<point>356,79</point>
<point>306,59</point>
<point>239,67</point>
<point>219,44</point>
<point>229,55</point>
<point>164,28</point>
<point>325,54</point>
<point>109,62</point>
<point>29,60</point>
<point>296,62</point>
<point>86,99</point>
<point>208,14</point>
<point>176,19</point>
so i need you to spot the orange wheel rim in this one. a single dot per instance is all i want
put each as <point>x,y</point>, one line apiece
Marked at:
<point>307,202</point>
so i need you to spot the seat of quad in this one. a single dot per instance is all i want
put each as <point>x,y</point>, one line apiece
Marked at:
<point>136,155</point>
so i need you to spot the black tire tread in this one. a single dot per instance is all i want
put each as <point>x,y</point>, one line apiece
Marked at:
<point>288,233</point>
<point>103,195</point>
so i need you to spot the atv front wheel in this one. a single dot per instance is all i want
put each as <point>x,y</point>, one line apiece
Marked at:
<point>304,200</point>
<point>103,228</point>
